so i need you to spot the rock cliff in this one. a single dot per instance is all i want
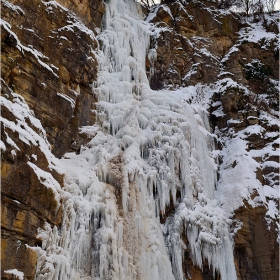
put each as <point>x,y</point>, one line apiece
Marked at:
<point>48,66</point>
<point>49,62</point>
<point>197,43</point>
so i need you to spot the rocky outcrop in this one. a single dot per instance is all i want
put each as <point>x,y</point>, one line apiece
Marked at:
<point>48,64</point>
<point>30,183</point>
<point>48,58</point>
<point>256,248</point>
<point>196,43</point>
<point>192,40</point>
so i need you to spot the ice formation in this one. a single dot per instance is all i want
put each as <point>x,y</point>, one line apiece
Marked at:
<point>151,151</point>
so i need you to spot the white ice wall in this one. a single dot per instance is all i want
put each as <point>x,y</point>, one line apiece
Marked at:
<point>148,147</point>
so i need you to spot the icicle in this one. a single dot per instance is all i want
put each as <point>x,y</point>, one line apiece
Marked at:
<point>152,56</point>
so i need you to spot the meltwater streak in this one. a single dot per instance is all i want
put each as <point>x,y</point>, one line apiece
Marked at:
<point>150,148</point>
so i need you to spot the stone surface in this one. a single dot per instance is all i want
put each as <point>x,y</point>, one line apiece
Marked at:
<point>191,46</point>
<point>26,201</point>
<point>48,58</point>
<point>55,70</point>
<point>191,49</point>
<point>256,248</point>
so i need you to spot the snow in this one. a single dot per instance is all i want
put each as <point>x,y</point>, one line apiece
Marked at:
<point>225,73</point>
<point>90,131</point>
<point>2,146</point>
<point>28,127</point>
<point>231,51</point>
<point>53,3</point>
<point>76,24</point>
<point>34,157</point>
<point>255,32</point>
<point>15,272</point>
<point>47,180</point>
<point>13,7</point>
<point>67,98</point>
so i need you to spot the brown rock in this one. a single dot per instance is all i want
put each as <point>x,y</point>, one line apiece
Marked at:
<point>256,248</point>
<point>50,63</point>
<point>48,81</point>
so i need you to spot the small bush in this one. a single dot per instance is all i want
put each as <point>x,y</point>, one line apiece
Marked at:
<point>257,71</point>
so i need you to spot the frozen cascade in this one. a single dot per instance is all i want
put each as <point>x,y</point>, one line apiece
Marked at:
<point>151,150</point>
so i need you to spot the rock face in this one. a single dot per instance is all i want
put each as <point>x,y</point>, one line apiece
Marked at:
<point>48,55</point>
<point>27,198</point>
<point>48,64</point>
<point>194,41</point>
<point>198,44</point>
<point>256,248</point>
<point>48,58</point>
<point>190,46</point>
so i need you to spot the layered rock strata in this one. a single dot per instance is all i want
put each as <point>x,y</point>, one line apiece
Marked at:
<point>48,64</point>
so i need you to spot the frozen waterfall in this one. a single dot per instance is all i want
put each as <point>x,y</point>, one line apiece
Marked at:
<point>151,151</point>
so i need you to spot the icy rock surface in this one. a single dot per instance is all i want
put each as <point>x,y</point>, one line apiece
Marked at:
<point>150,150</point>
